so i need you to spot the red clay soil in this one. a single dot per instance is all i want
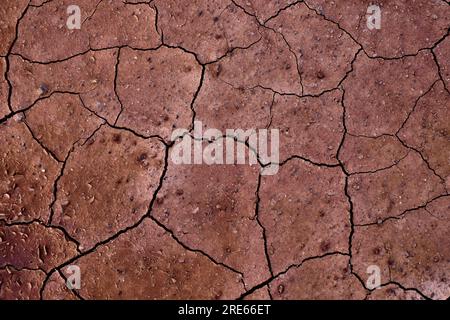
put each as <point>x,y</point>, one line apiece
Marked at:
<point>86,178</point>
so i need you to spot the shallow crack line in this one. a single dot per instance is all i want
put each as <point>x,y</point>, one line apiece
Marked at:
<point>46,149</point>
<point>93,12</point>
<point>7,62</point>
<point>378,57</point>
<point>55,185</point>
<point>396,162</point>
<point>231,51</point>
<point>15,268</point>
<point>113,126</point>
<point>299,72</point>
<point>154,7</point>
<point>415,105</point>
<point>425,161</point>
<point>73,291</point>
<point>40,5</point>
<point>276,32</point>
<point>116,71</point>
<point>138,3</point>
<point>23,110</point>
<point>403,214</point>
<point>318,164</point>
<point>271,111</point>
<point>298,265</point>
<point>117,234</point>
<point>90,49</point>
<point>171,233</point>
<point>436,61</point>
<point>259,86</point>
<point>245,11</point>
<point>335,23</point>
<point>257,207</point>
<point>429,212</point>
<point>412,54</point>
<point>371,137</point>
<point>404,289</point>
<point>68,237</point>
<point>282,9</point>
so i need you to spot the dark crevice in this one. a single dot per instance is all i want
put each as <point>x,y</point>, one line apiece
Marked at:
<point>116,72</point>
<point>403,214</point>
<point>8,81</point>
<point>258,220</point>
<point>194,98</point>
<point>67,236</point>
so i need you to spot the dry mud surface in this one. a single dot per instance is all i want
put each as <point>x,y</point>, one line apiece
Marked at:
<point>86,178</point>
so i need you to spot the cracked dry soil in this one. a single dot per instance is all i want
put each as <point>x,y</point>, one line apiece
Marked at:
<point>86,178</point>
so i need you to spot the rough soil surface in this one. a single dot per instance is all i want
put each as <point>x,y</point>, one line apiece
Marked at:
<point>87,178</point>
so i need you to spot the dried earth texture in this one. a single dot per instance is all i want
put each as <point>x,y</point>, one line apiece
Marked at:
<point>88,181</point>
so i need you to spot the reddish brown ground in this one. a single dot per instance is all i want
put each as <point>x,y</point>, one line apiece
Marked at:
<point>86,179</point>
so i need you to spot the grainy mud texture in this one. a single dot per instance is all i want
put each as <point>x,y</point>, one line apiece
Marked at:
<point>90,190</point>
